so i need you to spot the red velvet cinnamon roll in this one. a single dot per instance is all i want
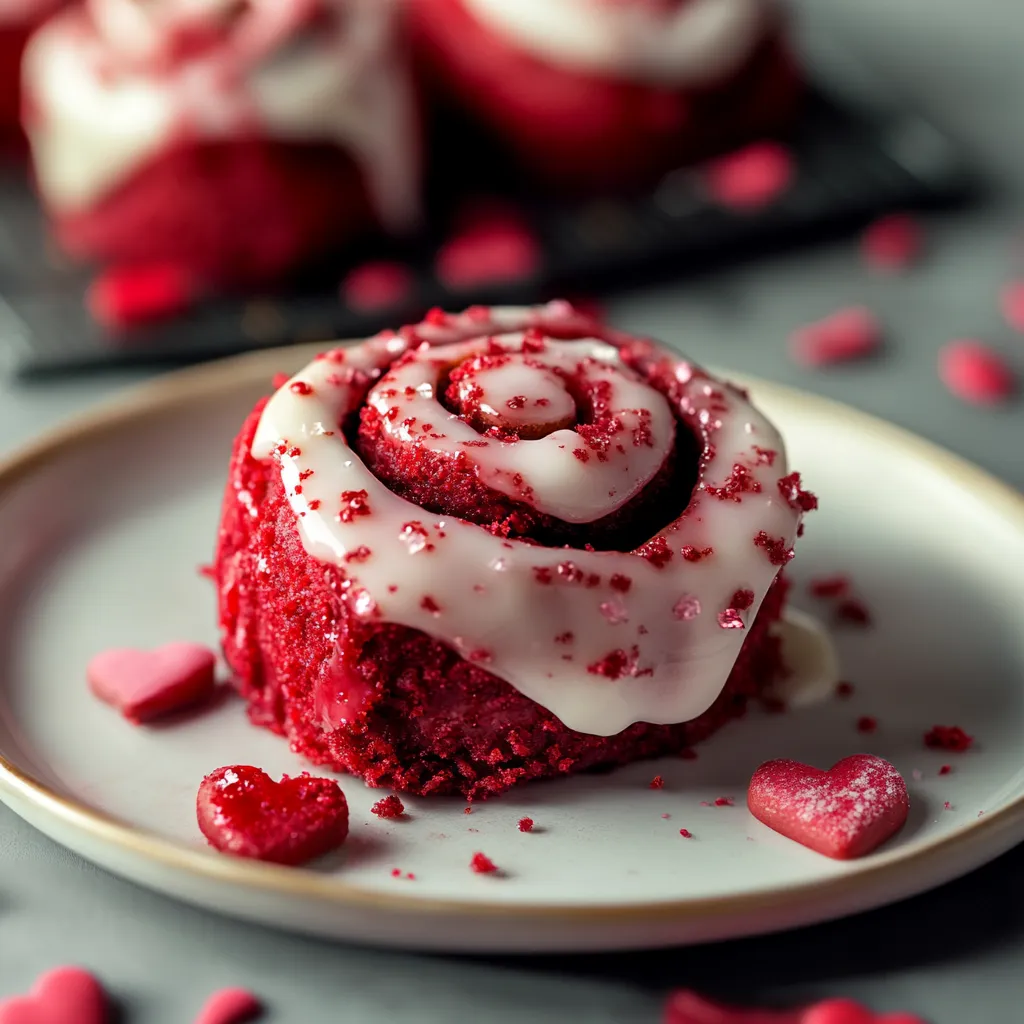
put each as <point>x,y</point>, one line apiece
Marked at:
<point>501,546</point>
<point>611,92</point>
<point>234,140</point>
<point>18,19</point>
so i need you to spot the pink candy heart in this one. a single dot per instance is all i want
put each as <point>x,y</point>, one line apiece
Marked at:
<point>66,995</point>
<point>143,685</point>
<point>843,813</point>
<point>229,1006</point>
<point>690,1008</point>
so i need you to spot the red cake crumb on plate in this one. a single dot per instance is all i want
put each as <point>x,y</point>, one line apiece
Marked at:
<point>482,864</point>
<point>388,807</point>
<point>948,737</point>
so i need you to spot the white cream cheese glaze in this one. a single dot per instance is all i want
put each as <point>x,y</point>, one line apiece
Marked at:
<point>601,639</point>
<point>674,44</point>
<point>546,472</point>
<point>108,93</point>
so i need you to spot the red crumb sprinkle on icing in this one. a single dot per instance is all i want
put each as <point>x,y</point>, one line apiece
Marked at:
<point>389,807</point>
<point>482,864</point>
<point>1012,302</point>
<point>790,487</point>
<point>848,334</point>
<point>829,586</point>
<point>853,612</point>
<point>844,812</point>
<point>945,769</point>
<point>976,373</point>
<point>300,387</point>
<point>751,177</point>
<point>844,690</point>
<point>525,824</point>
<point>948,737</point>
<point>892,243</point>
<point>867,724</point>
<point>774,547</point>
<point>656,783</point>
<point>686,833</point>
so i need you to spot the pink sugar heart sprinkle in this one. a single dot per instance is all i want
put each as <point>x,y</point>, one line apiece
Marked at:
<point>690,1008</point>
<point>66,995</point>
<point>1012,302</point>
<point>843,813</point>
<point>495,245</point>
<point>850,333</point>
<point>846,1011</point>
<point>976,373</point>
<point>229,1006</point>
<point>751,177</point>
<point>377,285</point>
<point>892,242</point>
<point>144,685</point>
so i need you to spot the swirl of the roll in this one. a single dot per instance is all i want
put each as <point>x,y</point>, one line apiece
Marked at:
<point>587,516</point>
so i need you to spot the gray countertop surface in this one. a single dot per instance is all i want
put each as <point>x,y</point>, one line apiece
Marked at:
<point>955,955</point>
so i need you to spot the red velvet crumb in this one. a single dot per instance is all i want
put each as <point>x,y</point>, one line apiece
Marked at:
<point>482,864</point>
<point>525,824</point>
<point>467,810</point>
<point>948,737</point>
<point>844,689</point>
<point>892,242</point>
<point>867,723</point>
<point>686,833</point>
<point>656,783</point>
<point>279,380</point>
<point>300,387</point>
<point>829,586</point>
<point>723,801</point>
<point>389,807</point>
<point>945,769</point>
<point>853,612</point>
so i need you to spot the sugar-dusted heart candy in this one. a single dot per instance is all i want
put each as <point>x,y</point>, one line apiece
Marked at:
<point>144,685</point>
<point>229,1006</point>
<point>843,813</point>
<point>846,1011</point>
<point>690,1008</point>
<point>66,995</point>
<point>244,812</point>
<point>850,333</point>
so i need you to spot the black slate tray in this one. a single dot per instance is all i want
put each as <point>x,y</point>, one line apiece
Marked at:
<point>849,170</point>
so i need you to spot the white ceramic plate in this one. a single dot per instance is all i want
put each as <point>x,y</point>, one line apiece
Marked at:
<point>104,525</point>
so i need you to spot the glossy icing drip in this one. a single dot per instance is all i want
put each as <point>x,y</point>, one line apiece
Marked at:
<point>114,82</point>
<point>677,44</point>
<point>602,639</point>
